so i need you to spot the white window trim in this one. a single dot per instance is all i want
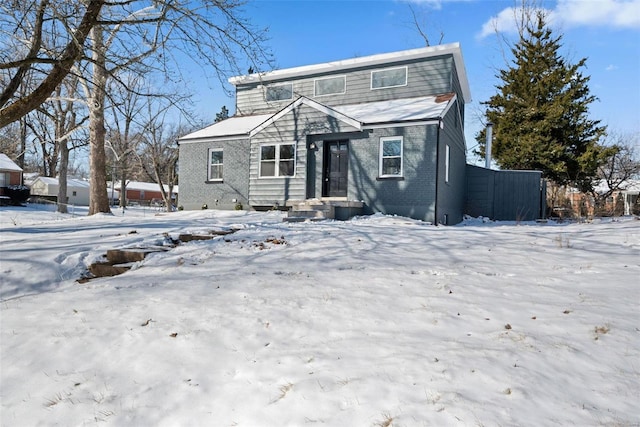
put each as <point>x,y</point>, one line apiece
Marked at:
<point>447,162</point>
<point>315,95</point>
<point>380,156</point>
<point>277,160</point>
<point>277,86</point>
<point>406,77</point>
<point>209,178</point>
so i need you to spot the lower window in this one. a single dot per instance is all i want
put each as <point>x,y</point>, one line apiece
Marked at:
<point>391,156</point>
<point>277,160</point>
<point>215,164</point>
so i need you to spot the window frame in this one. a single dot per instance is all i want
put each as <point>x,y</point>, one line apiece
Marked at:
<point>277,160</point>
<point>447,163</point>
<point>277,86</point>
<point>381,157</point>
<point>406,77</point>
<point>220,165</point>
<point>315,86</point>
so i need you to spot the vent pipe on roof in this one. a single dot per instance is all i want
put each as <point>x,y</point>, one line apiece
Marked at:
<point>487,147</point>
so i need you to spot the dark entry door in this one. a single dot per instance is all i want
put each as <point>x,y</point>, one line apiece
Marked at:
<point>336,164</point>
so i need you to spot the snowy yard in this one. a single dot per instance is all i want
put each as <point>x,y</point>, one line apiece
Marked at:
<point>377,321</point>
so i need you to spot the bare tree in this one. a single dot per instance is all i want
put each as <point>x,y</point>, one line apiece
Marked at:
<point>158,156</point>
<point>69,119</point>
<point>419,23</point>
<point>620,168</point>
<point>127,122</point>
<point>24,27</point>
<point>10,140</point>
<point>143,37</point>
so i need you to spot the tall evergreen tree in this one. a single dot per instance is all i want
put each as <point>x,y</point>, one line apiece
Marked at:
<point>540,113</point>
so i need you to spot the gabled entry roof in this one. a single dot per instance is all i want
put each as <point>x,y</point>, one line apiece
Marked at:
<point>329,111</point>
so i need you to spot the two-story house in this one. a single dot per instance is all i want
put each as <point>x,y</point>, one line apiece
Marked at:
<point>381,133</point>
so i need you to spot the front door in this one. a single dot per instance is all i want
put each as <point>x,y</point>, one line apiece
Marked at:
<point>336,164</point>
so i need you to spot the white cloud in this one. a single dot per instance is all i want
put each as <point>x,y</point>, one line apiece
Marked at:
<point>573,13</point>
<point>505,22</point>
<point>435,4</point>
<point>611,67</point>
<point>613,13</point>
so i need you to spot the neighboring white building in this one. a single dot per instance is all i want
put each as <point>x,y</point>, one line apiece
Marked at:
<point>47,187</point>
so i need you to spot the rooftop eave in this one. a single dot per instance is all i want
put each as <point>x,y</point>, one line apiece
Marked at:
<point>214,138</point>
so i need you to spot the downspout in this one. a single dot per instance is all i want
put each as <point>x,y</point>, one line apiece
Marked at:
<point>435,209</point>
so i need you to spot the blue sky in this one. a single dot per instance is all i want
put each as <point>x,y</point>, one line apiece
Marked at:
<point>606,32</point>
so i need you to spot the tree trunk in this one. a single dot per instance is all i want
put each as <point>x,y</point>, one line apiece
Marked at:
<point>98,198</point>
<point>123,190</point>
<point>23,141</point>
<point>62,177</point>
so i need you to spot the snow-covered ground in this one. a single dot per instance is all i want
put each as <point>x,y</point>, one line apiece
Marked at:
<point>377,321</point>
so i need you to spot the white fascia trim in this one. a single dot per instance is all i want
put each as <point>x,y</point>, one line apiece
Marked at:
<point>213,139</point>
<point>311,103</point>
<point>449,105</point>
<point>400,124</point>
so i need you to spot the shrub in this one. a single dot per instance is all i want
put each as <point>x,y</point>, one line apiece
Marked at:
<point>18,194</point>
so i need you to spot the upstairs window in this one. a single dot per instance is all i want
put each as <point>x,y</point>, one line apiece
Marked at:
<point>280,92</point>
<point>391,156</point>
<point>390,77</point>
<point>330,86</point>
<point>277,160</point>
<point>215,164</point>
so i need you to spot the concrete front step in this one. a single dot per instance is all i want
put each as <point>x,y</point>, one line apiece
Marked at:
<point>316,209</point>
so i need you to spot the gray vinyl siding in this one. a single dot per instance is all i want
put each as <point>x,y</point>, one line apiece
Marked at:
<point>196,191</point>
<point>291,128</point>
<point>425,77</point>
<point>451,194</point>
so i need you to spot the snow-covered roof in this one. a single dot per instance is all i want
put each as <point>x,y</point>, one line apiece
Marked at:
<point>145,186</point>
<point>71,182</point>
<point>365,61</point>
<point>629,186</point>
<point>6,164</point>
<point>238,126</point>
<point>397,110</point>
<point>357,115</point>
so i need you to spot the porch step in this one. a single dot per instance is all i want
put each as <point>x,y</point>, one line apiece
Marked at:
<point>317,210</point>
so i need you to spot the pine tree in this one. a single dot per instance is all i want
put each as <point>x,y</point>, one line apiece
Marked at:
<point>540,113</point>
<point>222,115</point>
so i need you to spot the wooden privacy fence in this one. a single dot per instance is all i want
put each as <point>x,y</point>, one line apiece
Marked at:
<point>505,195</point>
